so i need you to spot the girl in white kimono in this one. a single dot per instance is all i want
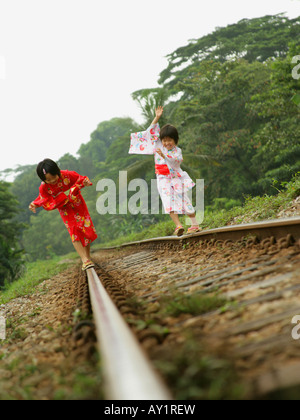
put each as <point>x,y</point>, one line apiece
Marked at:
<point>172,182</point>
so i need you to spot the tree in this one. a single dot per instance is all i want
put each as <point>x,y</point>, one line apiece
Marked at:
<point>26,188</point>
<point>208,88</point>
<point>215,122</point>
<point>95,151</point>
<point>252,39</point>
<point>47,236</point>
<point>277,137</point>
<point>10,253</point>
<point>148,100</point>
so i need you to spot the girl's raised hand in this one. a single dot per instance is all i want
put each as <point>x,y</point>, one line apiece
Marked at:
<point>159,111</point>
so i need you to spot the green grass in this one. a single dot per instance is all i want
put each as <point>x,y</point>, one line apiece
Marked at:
<point>34,274</point>
<point>193,373</point>
<point>196,304</point>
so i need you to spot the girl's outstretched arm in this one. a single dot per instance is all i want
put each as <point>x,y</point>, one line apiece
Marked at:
<point>32,207</point>
<point>158,113</point>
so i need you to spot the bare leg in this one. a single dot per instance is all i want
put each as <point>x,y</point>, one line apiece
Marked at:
<point>88,250</point>
<point>175,218</point>
<point>193,220</point>
<point>83,252</point>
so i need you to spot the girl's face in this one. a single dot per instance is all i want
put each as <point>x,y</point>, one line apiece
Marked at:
<point>51,179</point>
<point>168,143</point>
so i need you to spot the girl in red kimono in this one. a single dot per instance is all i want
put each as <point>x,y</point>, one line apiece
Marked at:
<point>71,205</point>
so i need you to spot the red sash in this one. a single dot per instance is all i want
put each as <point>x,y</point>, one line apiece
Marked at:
<point>162,170</point>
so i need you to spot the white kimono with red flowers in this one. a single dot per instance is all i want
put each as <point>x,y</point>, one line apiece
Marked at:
<point>172,182</point>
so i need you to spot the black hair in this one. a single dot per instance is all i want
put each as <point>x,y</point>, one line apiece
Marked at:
<point>47,166</point>
<point>169,131</point>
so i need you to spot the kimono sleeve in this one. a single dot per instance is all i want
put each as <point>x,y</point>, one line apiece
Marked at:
<point>144,142</point>
<point>47,201</point>
<point>76,184</point>
<point>43,197</point>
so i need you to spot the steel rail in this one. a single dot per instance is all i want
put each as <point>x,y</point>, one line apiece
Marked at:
<point>127,371</point>
<point>262,230</point>
<point>129,374</point>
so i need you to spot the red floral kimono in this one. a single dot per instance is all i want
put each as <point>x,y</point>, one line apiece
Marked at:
<point>71,206</point>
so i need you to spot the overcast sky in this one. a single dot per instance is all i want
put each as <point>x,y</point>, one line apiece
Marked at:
<point>67,65</point>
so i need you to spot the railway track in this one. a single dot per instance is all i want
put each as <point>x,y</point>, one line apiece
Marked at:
<point>245,279</point>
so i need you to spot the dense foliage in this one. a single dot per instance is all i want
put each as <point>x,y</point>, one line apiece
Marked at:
<point>232,97</point>
<point>10,253</point>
